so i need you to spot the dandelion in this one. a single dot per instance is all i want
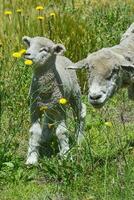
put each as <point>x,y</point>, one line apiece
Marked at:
<point>108,124</point>
<point>22,51</point>
<point>39,8</point>
<point>8,12</point>
<point>19,10</point>
<point>16,55</point>
<point>28,62</point>
<point>43,108</point>
<point>63,101</point>
<point>40,17</point>
<point>52,14</point>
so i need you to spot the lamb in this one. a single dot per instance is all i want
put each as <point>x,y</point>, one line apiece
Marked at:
<point>51,81</point>
<point>110,69</point>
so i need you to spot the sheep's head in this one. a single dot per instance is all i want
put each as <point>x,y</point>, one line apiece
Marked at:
<point>107,70</point>
<point>40,49</point>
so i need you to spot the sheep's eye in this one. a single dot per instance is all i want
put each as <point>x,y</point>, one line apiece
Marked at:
<point>115,71</point>
<point>44,49</point>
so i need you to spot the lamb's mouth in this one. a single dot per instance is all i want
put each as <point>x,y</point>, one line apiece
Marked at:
<point>28,58</point>
<point>97,103</point>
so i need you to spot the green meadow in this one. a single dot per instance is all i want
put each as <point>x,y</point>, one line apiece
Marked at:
<point>102,168</point>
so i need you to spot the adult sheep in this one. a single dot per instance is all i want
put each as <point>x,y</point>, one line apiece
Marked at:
<point>110,69</point>
<point>51,82</point>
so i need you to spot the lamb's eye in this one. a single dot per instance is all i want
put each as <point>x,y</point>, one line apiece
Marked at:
<point>115,71</point>
<point>44,49</point>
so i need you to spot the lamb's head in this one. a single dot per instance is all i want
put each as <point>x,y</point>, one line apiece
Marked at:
<point>40,49</point>
<point>106,71</point>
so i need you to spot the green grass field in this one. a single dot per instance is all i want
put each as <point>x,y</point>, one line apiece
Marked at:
<point>103,167</point>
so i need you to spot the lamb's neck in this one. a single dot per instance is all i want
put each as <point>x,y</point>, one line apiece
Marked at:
<point>44,69</point>
<point>45,79</point>
<point>124,47</point>
<point>127,44</point>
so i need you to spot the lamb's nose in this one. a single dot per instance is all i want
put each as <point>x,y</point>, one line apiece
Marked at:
<point>95,96</point>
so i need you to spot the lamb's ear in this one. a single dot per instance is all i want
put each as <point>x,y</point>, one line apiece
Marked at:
<point>59,49</point>
<point>26,40</point>
<point>79,65</point>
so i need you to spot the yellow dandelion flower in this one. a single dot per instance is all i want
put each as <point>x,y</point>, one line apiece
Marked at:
<point>8,12</point>
<point>16,55</point>
<point>22,51</point>
<point>39,8</point>
<point>28,62</point>
<point>52,14</point>
<point>19,10</point>
<point>43,108</point>
<point>108,124</point>
<point>40,17</point>
<point>50,125</point>
<point>63,101</point>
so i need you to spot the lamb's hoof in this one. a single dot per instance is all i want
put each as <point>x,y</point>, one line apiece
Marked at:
<point>64,153</point>
<point>32,160</point>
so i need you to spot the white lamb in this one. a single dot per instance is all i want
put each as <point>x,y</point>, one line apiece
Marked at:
<point>51,81</point>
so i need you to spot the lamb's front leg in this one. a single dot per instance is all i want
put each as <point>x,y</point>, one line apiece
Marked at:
<point>35,134</point>
<point>34,143</point>
<point>62,135</point>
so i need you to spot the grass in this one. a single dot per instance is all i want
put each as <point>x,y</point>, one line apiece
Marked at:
<point>103,167</point>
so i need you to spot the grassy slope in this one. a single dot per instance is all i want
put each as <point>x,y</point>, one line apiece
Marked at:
<point>103,168</point>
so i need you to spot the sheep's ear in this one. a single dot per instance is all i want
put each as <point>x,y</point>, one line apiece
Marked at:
<point>26,40</point>
<point>79,65</point>
<point>59,49</point>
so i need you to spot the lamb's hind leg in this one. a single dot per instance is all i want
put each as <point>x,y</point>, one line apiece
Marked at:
<point>62,135</point>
